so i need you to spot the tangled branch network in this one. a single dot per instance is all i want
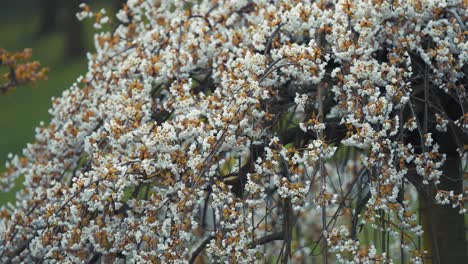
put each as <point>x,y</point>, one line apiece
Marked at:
<point>245,131</point>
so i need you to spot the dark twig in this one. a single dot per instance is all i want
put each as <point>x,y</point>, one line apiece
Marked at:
<point>200,248</point>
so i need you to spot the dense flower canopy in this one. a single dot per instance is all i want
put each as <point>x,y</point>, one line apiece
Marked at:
<point>242,131</point>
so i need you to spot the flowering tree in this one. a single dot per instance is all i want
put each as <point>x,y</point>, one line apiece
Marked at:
<point>242,131</point>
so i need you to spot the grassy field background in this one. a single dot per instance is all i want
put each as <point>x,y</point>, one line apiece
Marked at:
<point>23,109</point>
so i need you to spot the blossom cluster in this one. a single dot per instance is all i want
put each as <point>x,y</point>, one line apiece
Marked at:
<point>20,70</point>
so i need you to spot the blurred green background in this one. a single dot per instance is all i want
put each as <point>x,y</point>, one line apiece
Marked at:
<point>59,41</point>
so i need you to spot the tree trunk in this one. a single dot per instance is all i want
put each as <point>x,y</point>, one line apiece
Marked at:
<point>49,16</point>
<point>444,228</point>
<point>73,30</point>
